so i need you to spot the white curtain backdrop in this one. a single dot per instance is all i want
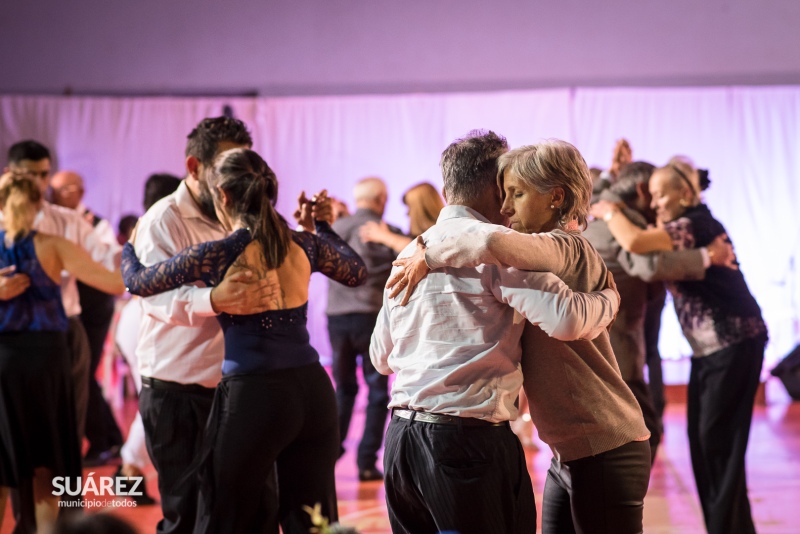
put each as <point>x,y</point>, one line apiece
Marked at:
<point>748,137</point>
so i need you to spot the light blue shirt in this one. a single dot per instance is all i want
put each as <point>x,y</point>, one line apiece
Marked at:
<point>455,347</point>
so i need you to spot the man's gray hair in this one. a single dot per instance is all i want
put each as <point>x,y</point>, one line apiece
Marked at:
<point>469,165</point>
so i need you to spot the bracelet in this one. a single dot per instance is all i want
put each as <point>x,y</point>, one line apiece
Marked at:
<point>609,215</point>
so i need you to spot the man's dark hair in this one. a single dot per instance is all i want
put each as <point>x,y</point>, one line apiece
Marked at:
<point>158,186</point>
<point>204,140</point>
<point>631,175</point>
<point>29,149</point>
<point>469,165</point>
<point>126,225</point>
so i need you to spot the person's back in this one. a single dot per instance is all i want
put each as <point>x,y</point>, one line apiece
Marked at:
<point>445,341</point>
<point>39,308</point>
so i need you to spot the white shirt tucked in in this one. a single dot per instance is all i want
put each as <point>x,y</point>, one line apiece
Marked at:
<point>455,347</point>
<point>179,337</point>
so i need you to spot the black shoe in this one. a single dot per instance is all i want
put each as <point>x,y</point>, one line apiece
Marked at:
<point>369,475</point>
<point>100,458</point>
<point>141,500</point>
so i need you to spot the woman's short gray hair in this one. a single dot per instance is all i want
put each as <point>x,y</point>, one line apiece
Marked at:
<point>550,164</point>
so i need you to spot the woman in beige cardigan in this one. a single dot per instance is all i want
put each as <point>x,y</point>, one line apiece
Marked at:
<point>579,403</point>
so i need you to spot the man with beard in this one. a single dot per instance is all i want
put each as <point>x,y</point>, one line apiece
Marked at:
<point>180,345</point>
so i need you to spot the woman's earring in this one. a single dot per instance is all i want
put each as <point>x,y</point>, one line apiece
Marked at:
<point>683,203</point>
<point>552,206</point>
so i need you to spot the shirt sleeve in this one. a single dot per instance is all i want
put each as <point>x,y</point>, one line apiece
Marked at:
<point>544,300</point>
<point>663,266</point>
<point>381,344</point>
<point>160,241</point>
<point>94,241</point>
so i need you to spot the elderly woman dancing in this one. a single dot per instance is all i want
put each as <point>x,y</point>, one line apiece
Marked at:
<point>722,322</point>
<point>579,403</point>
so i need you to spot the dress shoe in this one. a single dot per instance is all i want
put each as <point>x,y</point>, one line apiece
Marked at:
<point>141,500</point>
<point>99,458</point>
<point>369,475</point>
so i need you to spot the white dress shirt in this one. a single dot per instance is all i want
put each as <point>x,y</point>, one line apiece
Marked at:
<point>71,225</point>
<point>455,347</point>
<point>179,337</point>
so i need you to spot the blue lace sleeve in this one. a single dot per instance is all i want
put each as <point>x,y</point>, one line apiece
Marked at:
<point>330,255</point>
<point>206,262</point>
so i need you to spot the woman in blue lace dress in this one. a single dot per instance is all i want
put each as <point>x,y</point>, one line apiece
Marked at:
<point>275,404</point>
<point>38,429</point>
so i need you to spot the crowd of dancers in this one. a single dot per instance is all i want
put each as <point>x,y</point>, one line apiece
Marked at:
<point>533,281</point>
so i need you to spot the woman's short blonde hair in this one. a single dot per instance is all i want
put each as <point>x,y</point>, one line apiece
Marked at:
<point>424,204</point>
<point>550,164</point>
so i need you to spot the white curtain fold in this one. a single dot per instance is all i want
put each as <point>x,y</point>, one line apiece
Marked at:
<point>748,137</point>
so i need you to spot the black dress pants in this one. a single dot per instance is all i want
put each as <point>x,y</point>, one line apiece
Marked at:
<point>350,335</point>
<point>722,390</point>
<point>174,417</point>
<point>97,313</point>
<point>601,494</point>
<point>473,480</point>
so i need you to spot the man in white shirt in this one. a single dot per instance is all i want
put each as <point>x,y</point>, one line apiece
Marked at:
<point>180,347</point>
<point>97,311</point>
<point>451,460</point>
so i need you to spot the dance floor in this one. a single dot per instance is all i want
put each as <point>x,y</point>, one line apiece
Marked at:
<point>671,505</point>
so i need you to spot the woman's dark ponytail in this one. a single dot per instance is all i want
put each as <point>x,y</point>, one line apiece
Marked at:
<point>253,187</point>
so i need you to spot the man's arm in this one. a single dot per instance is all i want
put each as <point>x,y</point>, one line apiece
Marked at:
<point>686,264</point>
<point>381,344</point>
<point>544,300</point>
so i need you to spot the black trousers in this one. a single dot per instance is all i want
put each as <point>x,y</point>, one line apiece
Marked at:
<point>350,336</point>
<point>284,421</point>
<point>102,430</point>
<point>174,417</point>
<point>652,420</point>
<point>601,494</point>
<point>473,480</point>
<point>656,297</point>
<point>722,389</point>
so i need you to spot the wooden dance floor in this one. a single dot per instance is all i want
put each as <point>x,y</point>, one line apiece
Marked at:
<point>671,505</point>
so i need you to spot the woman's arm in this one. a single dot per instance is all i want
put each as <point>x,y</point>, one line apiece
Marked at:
<point>499,245</point>
<point>378,232</point>
<point>333,257</point>
<point>205,262</point>
<point>628,235</point>
<point>77,262</point>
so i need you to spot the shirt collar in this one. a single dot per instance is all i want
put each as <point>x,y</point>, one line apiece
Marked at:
<point>459,212</point>
<point>185,203</point>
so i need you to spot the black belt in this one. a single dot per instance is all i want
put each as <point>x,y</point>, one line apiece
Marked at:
<point>155,383</point>
<point>438,419</point>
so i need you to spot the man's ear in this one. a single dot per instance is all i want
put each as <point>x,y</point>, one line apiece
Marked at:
<point>193,166</point>
<point>642,190</point>
<point>444,195</point>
